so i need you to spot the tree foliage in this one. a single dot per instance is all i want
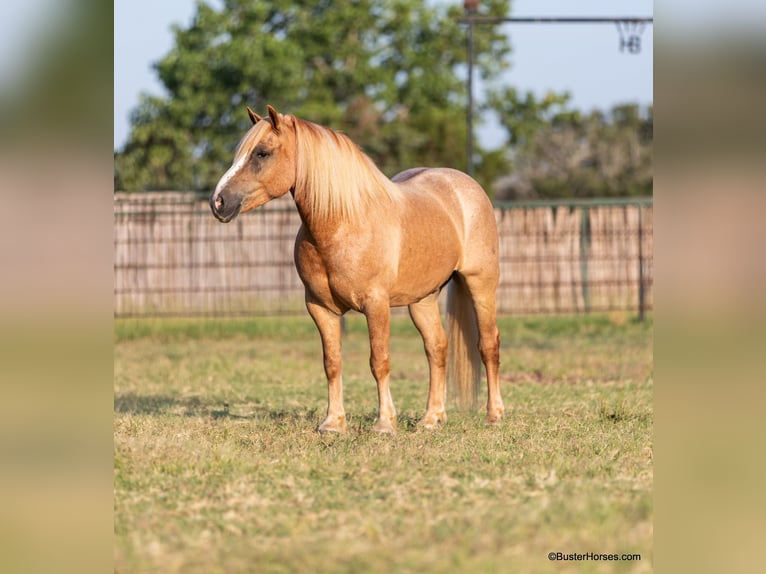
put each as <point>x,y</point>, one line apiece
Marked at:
<point>523,115</point>
<point>388,73</point>
<point>558,152</point>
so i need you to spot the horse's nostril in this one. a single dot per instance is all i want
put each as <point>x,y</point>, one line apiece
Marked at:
<point>218,203</point>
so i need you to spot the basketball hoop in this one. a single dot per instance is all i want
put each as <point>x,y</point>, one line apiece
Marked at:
<point>630,35</point>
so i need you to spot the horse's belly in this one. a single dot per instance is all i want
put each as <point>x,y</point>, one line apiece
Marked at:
<point>424,267</point>
<point>404,297</point>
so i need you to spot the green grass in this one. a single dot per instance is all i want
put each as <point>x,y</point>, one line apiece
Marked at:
<point>218,468</point>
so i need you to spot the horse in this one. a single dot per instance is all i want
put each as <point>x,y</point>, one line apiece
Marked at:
<point>368,243</point>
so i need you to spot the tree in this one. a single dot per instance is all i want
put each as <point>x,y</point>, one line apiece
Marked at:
<point>386,72</point>
<point>567,154</point>
<point>523,116</point>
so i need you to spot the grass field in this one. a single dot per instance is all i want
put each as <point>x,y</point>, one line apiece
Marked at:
<point>217,467</point>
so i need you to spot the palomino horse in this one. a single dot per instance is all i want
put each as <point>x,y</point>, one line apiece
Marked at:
<point>369,243</point>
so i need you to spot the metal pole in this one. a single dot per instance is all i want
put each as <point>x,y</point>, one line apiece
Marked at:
<point>556,20</point>
<point>469,113</point>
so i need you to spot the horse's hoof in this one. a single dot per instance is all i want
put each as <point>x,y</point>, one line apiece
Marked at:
<point>385,426</point>
<point>333,425</point>
<point>433,420</point>
<point>494,418</point>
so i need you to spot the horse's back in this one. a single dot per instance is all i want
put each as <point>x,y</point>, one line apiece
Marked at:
<point>444,181</point>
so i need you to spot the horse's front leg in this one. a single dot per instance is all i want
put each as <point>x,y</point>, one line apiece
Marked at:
<point>378,316</point>
<point>328,324</point>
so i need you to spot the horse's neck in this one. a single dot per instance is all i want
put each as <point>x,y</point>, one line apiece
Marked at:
<point>338,186</point>
<point>371,211</point>
<point>326,230</point>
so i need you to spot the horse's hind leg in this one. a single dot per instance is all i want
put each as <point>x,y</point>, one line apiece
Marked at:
<point>425,315</point>
<point>482,287</point>
<point>328,324</point>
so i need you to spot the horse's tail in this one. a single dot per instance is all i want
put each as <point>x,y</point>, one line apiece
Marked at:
<point>463,358</point>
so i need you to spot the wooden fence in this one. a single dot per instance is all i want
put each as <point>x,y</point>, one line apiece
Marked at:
<point>172,258</point>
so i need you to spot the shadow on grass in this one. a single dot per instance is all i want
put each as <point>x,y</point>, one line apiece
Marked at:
<point>162,405</point>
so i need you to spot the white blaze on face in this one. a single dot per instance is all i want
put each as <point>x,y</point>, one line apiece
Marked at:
<point>233,170</point>
<point>247,144</point>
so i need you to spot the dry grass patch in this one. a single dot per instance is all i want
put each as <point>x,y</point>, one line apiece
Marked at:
<point>218,467</point>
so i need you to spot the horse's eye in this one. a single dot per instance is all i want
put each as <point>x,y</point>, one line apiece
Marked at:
<point>262,154</point>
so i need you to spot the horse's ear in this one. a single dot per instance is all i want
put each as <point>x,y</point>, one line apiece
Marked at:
<point>255,118</point>
<point>274,116</point>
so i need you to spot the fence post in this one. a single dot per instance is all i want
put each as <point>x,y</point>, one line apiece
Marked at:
<point>584,254</point>
<point>641,302</point>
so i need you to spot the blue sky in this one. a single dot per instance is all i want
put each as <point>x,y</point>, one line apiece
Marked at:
<point>582,59</point>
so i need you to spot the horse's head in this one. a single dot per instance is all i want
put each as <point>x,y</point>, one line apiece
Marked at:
<point>263,168</point>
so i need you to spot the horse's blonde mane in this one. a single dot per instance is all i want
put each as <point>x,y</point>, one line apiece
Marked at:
<point>334,177</point>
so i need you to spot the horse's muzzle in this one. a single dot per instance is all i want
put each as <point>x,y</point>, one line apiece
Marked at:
<point>224,209</point>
